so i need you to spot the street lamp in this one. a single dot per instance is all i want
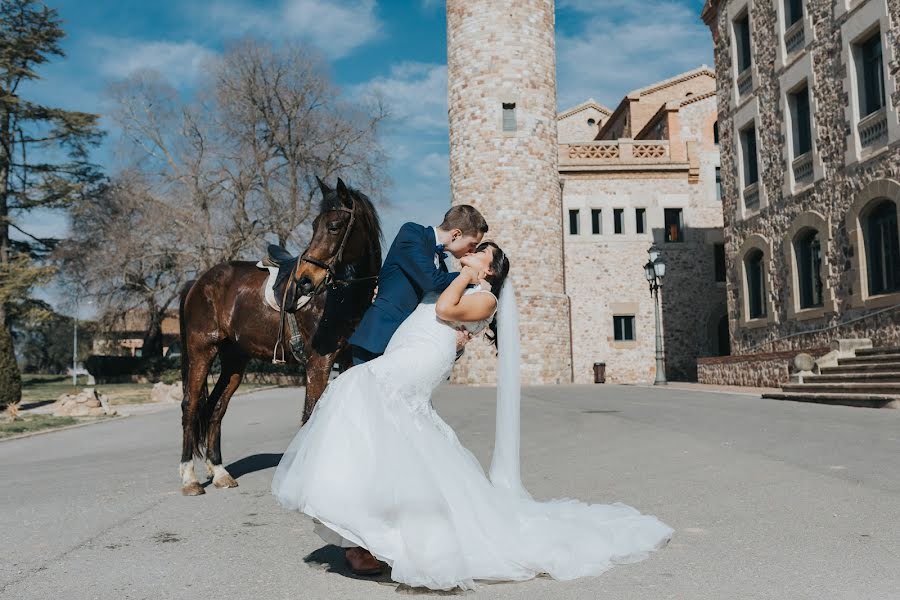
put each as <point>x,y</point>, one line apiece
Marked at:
<point>654,272</point>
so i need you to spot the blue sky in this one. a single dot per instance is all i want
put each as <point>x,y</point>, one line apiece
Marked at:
<point>398,49</point>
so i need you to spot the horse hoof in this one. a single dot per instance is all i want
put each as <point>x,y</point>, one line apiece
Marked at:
<point>225,481</point>
<point>192,489</point>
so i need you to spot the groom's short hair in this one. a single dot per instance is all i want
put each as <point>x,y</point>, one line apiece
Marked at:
<point>465,218</point>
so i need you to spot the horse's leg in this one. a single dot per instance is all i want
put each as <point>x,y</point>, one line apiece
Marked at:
<point>192,407</point>
<point>233,366</point>
<point>318,368</point>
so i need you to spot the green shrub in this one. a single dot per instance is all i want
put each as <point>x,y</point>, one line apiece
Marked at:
<point>10,378</point>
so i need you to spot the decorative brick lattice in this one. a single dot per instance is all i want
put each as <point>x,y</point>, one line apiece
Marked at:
<point>873,129</point>
<point>603,151</point>
<point>649,151</point>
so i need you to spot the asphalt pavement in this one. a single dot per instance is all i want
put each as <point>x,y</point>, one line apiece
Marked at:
<point>769,499</point>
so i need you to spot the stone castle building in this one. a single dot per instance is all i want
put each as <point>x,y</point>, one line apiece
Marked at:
<point>501,62</point>
<point>577,198</point>
<point>644,173</point>
<point>807,100</point>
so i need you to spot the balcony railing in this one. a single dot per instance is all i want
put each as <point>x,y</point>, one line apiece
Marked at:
<point>745,82</point>
<point>612,152</point>
<point>873,129</point>
<point>751,196</point>
<point>803,168</point>
<point>795,37</point>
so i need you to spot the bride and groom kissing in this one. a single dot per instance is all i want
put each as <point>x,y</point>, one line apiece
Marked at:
<point>386,478</point>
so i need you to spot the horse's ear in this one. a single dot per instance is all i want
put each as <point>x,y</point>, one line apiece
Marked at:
<point>344,194</point>
<point>324,187</point>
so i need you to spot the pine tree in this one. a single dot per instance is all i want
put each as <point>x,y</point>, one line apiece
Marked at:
<point>43,163</point>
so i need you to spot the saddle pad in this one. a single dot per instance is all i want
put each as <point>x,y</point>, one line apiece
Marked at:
<point>270,289</point>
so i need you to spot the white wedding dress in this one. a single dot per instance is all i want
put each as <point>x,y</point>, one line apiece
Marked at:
<point>378,468</point>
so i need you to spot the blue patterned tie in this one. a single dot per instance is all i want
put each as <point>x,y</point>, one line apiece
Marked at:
<point>439,250</point>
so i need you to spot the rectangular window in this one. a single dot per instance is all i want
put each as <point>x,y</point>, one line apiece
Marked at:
<point>748,141</point>
<point>623,326</point>
<point>757,286</point>
<point>793,12</point>
<point>573,222</point>
<point>718,184</point>
<point>872,80</point>
<point>801,126</point>
<point>509,116</point>
<point>596,221</point>
<point>619,220</point>
<point>674,225</point>
<point>719,262</point>
<point>742,40</point>
<point>640,220</point>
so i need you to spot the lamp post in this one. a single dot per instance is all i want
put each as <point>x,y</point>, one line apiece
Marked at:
<point>654,272</point>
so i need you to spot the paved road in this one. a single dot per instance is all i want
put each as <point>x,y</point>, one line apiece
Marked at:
<point>768,499</point>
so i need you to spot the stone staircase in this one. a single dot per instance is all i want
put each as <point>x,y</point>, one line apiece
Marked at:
<point>871,378</point>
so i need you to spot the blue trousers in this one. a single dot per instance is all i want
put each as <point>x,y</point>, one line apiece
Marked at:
<point>361,355</point>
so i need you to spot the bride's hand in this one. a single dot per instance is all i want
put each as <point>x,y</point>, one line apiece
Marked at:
<point>470,273</point>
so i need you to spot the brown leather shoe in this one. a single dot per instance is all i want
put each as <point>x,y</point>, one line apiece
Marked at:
<point>362,562</point>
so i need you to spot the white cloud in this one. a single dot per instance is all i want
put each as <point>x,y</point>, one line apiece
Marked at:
<point>178,61</point>
<point>429,5</point>
<point>414,93</point>
<point>335,28</point>
<point>434,165</point>
<point>627,46</point>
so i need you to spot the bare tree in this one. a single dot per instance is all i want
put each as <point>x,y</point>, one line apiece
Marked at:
<point>124,254</point>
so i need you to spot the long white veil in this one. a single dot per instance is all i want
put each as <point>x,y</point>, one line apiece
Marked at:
<point>504,472</point>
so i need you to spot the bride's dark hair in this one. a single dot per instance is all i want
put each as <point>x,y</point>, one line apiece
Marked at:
<point>500,269</point>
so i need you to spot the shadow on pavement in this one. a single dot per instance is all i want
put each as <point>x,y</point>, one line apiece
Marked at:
<point>253,463</point>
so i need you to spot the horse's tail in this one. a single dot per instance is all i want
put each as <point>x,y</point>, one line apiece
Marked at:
<point>199,424</point>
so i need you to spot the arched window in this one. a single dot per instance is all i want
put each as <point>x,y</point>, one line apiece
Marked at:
<point>754,266</point>
<point>882,248</point>
<point>808,250</point>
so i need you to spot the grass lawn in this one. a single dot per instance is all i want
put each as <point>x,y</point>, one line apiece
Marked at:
<point>47,388</point>
<point>30,423</point>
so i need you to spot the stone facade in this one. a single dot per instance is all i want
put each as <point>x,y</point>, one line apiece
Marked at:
<point>582,123</point>
<point>851,169</point>
<point>501,63</point>
<point>672,165</point>
<point>771,369</point>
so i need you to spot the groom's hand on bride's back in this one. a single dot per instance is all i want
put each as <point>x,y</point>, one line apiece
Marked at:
<point>462,338</point>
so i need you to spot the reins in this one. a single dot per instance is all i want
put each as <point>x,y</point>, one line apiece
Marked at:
<point>331,281</point>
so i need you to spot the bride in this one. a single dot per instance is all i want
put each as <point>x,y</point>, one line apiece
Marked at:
<point>378,468</point>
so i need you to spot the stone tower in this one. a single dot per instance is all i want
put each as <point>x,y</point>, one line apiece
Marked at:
<point>501,61</point>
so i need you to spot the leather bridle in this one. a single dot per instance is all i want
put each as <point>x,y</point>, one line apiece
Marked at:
<point>331,277</point>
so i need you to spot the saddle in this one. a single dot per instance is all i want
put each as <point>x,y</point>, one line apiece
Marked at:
<point>285,287</point>
<point>288,300</point>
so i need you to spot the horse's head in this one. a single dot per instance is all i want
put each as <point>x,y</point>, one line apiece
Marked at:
<point>332,229</point>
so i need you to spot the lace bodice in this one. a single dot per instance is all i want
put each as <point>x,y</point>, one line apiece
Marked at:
<point>474,327</point>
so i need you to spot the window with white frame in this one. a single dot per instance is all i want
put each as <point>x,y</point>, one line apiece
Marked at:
<point>640,220</point>
<point>808,254</point>
<point>870,75</point>
<point>754,267</point>
<point>619,220</point>
<point>743,54</point>
<point>882,248</point>
<point>596,221</point>
<point>800,121</point>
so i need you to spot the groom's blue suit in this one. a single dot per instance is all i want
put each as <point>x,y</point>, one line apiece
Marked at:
<point>407,275</point>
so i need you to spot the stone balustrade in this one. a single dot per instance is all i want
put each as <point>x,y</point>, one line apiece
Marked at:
<point>803,168</point>
<point>795,37</point>
<point>873,129</point>
<point>614,152</point>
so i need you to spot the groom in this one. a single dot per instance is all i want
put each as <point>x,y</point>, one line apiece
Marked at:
<point>414,267</point>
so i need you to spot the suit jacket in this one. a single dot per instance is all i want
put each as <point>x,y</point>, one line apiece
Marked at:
<point>407,275</point>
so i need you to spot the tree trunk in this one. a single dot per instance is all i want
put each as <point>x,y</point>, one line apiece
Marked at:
<point>153,338</point>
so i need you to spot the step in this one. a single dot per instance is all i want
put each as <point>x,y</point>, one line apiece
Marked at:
<point>878,351</point>
<point>840,388</point>
<point>869,360</point>
<point>863,400</point>
<point>854,377</point>
<point>886,367</point>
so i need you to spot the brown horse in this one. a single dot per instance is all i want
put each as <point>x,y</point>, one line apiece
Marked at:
<point>224,314</point>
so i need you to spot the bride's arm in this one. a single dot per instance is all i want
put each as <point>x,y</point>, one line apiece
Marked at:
<point>453,305</point>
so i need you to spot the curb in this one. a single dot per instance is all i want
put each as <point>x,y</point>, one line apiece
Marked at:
<point>161,407</point>
<point>55,429</point>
